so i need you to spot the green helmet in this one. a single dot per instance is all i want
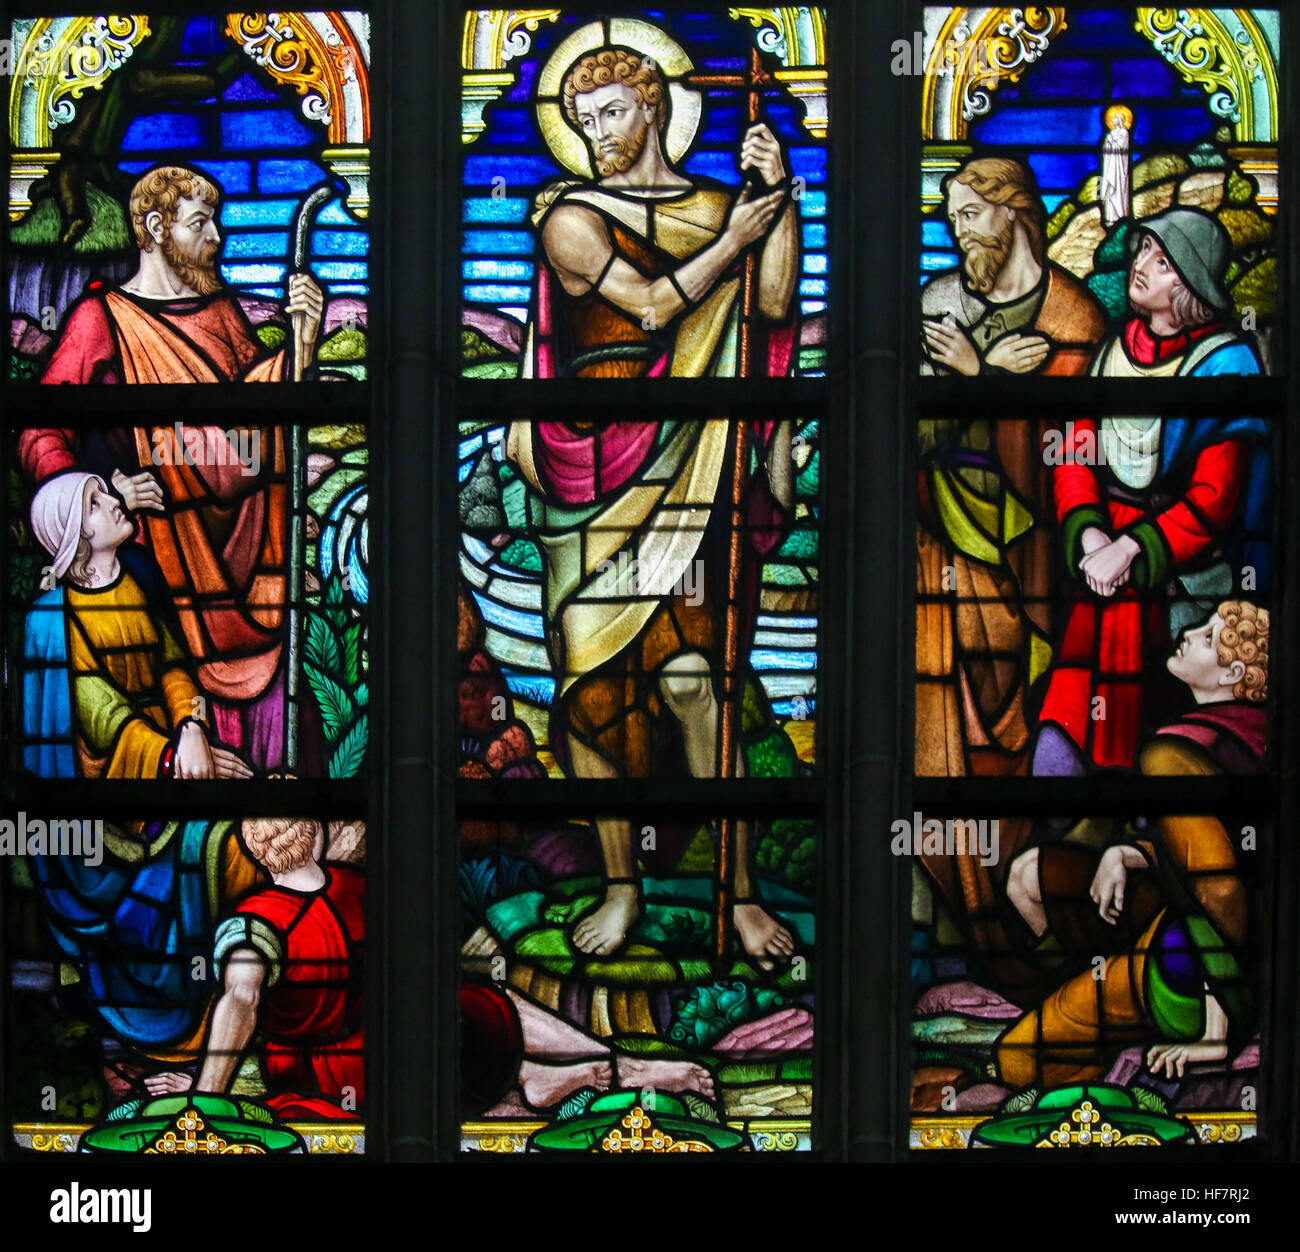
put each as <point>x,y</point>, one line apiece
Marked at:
<point>1198,248</point>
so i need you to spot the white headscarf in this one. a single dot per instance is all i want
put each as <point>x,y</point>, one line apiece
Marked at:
<point>57,516</point>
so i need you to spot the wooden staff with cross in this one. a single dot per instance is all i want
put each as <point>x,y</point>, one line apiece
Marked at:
<point>753,82</point>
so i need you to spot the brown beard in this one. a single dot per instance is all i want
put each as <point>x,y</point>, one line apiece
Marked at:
<point>629,150</point>
<point>197,273</point>
<point>985,255</point>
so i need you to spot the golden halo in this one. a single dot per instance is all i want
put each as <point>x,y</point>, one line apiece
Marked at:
<point>1118,113</point>
<point>566,145</point>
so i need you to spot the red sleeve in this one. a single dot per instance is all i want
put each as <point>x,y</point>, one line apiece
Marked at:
<point>1074,479</point>
<point>86,351</point>
<point>1202,514</point>
<point>44,452</point>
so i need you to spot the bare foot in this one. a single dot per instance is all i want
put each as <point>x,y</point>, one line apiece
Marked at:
<point>664,1075</point>
<point>546,1085</point>
<point>603,930</point>
<point>761,935</point>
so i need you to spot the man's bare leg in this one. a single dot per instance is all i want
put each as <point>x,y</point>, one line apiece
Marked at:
<point>1025,893</point>
<point>575,1059</point>
<point>604,929</point>
<point>559,1059</point>
<point>760,934</point>
<point>687,688</point>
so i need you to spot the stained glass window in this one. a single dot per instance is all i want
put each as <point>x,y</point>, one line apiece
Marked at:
<point>1096,586</point>
<point>1115,994</point>
<point>187,584</point>
<point>1063,572</point>
<point>660,1038</point>
<point>1100,192</point>
<point>695,246</point>
<point>591,559</point>
<point>645,196</point>
<point>216,619</point>
<point>188,198</point>
<point>133,948</point>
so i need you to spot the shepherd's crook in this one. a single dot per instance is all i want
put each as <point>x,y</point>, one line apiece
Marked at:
<point>302,224</point>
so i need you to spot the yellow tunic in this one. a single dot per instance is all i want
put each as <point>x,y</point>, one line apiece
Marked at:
<point>130,687</point>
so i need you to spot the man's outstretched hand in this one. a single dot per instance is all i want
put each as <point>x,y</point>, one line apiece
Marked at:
<point>138,491</point>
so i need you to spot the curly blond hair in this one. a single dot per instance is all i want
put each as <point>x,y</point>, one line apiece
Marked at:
<point>280,843</point>
<point>616,65</point>
<point>1244,638</point>
<point>161,189</point>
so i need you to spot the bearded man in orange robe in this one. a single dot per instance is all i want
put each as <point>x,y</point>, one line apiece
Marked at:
<point>215,501</point>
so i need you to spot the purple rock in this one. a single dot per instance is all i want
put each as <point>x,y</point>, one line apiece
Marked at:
<point>565,853</point>
<point>505,332</point>
<point>344,311</point>
<point>983,1097</point>
<point>967,998</point>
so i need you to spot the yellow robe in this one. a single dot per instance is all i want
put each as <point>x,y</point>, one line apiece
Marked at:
<point>130,686</point>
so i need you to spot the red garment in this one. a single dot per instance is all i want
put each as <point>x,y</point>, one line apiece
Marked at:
<point>312,1018</point>
<point>1109,645</point>
<point>215,326</point>
<point>1232,734</point>
<point>1146,348</point>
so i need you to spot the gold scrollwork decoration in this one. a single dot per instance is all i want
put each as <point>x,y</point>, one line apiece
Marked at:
<point>61,60</point>
<point>53,1142</point>
<point>320,67</point>
<point>775,1141</point>
<point>1189,43</point>
<point>501,1143</point>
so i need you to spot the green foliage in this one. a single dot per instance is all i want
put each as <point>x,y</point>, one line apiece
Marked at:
<point>492,369</point>
<point>699,1108</point>
<point>256,1113</point>
<point>576,1104</point>
<point>1021,1102</point>
<point>522,554</point>
<point>476,346</point>
<point>271,335</point>
<point>344,345</point>
<point>21,368</point>
<point>772,756</point>
<point>1151,1101</point>
<point>788,853</point>
<point>332,667</point>
<point>1111,288</point>
<point>708,1012</point>
<point>1060,219</point>
<point>800,544</point>
<point>1257,288</point>
<point>107,233</point>
<point>480,498</point>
